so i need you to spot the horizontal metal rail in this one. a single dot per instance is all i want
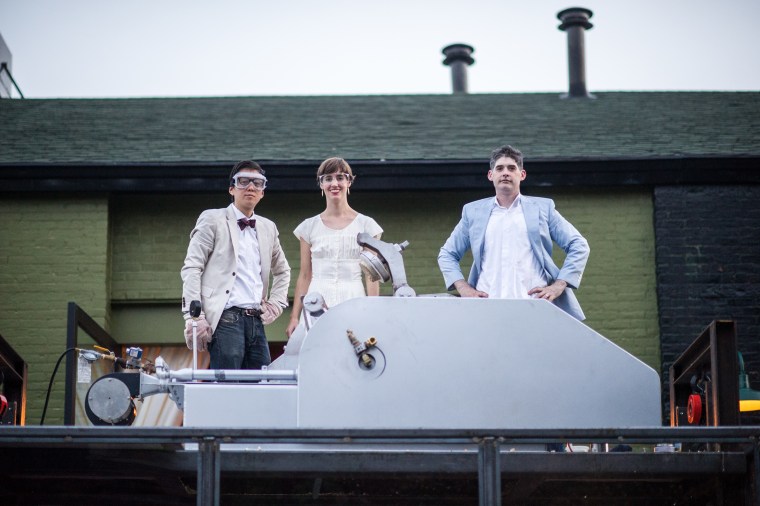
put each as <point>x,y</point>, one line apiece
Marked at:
<point>209,453</point>
<point>67,435</point>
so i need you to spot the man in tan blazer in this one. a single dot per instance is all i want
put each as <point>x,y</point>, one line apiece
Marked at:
<point>231,256</point>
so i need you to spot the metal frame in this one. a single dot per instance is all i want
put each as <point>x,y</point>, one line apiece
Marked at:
<point>14,380</point>
<point>713,352</point>
<point>78,318</point>
<point>4,68</point>
<point>346,453</point>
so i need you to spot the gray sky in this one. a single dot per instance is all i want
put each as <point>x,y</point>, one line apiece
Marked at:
<point>148,48</point>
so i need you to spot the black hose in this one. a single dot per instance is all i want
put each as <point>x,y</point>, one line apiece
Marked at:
<point>50,386</point>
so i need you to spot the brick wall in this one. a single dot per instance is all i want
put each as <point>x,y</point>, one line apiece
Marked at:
<point>150,237</point>
<point>618,291</point>
<point>56,250</point>
<point>52,251</point>
<point>708,268</point>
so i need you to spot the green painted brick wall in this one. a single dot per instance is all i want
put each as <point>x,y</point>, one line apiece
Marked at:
<point>55,250</point>
<point>52,251</point>
<point>618,291</point>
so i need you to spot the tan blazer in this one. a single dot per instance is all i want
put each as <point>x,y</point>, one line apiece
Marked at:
<point>209,269</point>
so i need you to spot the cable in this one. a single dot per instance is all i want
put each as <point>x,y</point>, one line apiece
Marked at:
<point>50,386</point>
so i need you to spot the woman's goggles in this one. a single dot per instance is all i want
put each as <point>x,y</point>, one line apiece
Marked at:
<point>341,177</point>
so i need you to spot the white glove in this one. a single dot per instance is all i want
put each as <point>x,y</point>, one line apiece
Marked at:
<point>270,312</point>
<point>203,332</point>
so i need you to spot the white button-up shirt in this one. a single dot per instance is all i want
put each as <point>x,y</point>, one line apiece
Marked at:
<point>248,287</point>
<point>509,268</point>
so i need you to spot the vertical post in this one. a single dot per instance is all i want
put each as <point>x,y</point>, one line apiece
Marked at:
<point>69,403</point>
<point>725,373</point>
<point>208,472</point>
<point>754,473</point>
<point>489,472</point>
<point>674,398</point>
<point>78,318</point>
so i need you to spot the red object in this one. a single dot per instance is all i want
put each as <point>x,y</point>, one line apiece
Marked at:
<point>694,409</point>
<point>3,405</point>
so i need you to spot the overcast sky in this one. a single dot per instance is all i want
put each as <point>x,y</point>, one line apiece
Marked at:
<point>159,48</point>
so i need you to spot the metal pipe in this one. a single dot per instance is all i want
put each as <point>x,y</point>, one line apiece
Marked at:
<point>220,375</point>
<point>195,345</point>
<point>458,57</point>
<point>575,21</point>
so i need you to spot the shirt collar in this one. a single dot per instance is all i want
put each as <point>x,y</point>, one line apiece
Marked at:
<point>239,214</point>
<point>515,204</point>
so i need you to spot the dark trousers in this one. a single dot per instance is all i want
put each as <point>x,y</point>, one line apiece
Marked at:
<point>239,342</point>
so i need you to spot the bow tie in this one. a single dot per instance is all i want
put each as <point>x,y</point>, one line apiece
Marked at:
<point>244,222</point>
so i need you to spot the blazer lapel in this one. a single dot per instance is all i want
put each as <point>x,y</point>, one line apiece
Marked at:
<point>263,236</point>
<point>234,229</point>
<point>479,225</point>
<point>532,222</point>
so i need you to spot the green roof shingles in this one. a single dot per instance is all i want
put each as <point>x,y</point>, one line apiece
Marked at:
<point>391,127</point>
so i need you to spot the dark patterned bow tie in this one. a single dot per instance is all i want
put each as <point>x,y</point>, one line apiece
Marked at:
<point>244,222</point>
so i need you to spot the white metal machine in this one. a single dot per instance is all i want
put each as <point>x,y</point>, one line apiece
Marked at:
<point>440,362</point>
<point>411,362</point>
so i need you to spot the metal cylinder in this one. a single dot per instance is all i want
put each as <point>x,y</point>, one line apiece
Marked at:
<point>458,57</point>
<point>232,375</point>
<point>575,21</point>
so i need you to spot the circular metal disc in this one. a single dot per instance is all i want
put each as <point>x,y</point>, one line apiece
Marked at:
<point>109,400</point>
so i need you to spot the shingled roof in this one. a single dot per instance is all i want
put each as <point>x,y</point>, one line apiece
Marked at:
<point>396,127</point>
<point>378,129</point>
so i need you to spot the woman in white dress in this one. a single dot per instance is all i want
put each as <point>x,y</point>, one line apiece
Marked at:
<point>329,251</point>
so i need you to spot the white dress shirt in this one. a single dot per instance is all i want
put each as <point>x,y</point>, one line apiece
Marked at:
<point>509,267</point>
<point>248,287</point>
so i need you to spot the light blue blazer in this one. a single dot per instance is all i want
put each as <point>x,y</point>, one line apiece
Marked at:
<point>545,225</point>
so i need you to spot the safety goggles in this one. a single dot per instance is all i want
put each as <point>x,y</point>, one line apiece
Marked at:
<point>340,177</point>
<point>241,180</point>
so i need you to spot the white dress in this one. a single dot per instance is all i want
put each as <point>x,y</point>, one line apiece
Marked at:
<point>335,269</point>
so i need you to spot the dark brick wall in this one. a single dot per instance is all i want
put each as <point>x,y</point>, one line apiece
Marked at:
<point>708,268</point>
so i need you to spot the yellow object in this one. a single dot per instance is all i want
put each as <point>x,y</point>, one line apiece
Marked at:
<point>749,399</point>
<point>749,405</point>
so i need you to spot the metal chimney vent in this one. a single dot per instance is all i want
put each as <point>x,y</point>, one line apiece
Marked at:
<point>575,21</point>
<point>458,57</point>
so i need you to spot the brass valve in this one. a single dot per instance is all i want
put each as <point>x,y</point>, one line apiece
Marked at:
<point>361,348</point>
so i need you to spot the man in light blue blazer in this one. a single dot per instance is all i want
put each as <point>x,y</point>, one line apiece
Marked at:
<point>511,238</point>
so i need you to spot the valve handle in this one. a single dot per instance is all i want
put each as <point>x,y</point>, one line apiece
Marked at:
<point>694,409</point>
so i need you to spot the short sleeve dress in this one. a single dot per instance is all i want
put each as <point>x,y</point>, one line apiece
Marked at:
<point>336,272</point>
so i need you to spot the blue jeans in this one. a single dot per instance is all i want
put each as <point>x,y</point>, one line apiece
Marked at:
<point>239,342</point>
